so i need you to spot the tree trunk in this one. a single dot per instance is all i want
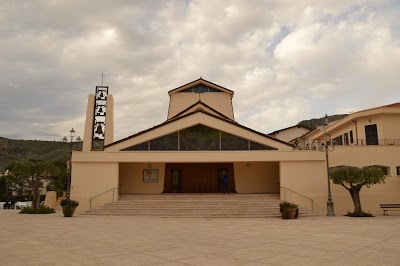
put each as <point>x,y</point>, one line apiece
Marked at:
<point>355,195</point>
<point>35,189</point>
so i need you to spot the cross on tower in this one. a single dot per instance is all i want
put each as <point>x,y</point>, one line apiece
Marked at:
<point>102,76</point>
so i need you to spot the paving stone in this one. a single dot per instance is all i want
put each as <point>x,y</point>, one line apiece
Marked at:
<point>131,240</point>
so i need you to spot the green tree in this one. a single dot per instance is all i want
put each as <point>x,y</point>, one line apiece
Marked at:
<point>32,172</point>
<point>354,178</point>
<point>59,182</point>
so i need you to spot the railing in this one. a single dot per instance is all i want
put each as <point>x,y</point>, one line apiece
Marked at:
<point>378,142</point>
<point>297,198</point>
<point>314,144</point>
<point>104,197</point>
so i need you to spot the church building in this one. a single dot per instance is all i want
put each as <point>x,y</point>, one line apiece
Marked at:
<point>191,152</point>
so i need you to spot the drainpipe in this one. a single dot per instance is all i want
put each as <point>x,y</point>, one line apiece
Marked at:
<point>355,125</point>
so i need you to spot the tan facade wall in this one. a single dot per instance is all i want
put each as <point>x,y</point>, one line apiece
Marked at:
<point>391,127</point>
<point>87,137</point>
<point>358,128</point>
<point>365,156</point>
<point>256,177</point>
<point>91,179</point>
<point>109,129</point>
<point>220,101</point>
<point>307,178</point>
<point>131,178</point>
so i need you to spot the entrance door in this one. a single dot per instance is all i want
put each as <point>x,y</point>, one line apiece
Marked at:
<point>371,134</point>
<point>176,175</point>
<point>221,174</point>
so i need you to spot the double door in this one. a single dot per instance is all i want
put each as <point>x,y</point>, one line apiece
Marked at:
<point>197,178</point>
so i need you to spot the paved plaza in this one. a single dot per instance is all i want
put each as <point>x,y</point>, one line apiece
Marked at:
<point>97,240</point>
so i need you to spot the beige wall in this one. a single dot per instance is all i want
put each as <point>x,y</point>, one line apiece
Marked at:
<point>131,178</point>
<point>387,120</point>
<point>364,156</point>
<point>87,138</point>
<point>90,179</point>
<point>220,101</point>
<point>256,177</point>
<point>109,129</point>
<point>308,178</point>
<point>391,127</point>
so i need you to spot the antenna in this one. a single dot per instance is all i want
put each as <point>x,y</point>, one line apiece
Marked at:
<point>102,76</point>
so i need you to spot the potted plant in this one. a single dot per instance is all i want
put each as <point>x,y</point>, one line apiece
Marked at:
<point>289,210</point>
<point>69,207</point>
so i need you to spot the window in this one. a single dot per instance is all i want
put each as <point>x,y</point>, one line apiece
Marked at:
<point>351,137</point>
<point>371,135</point>
<point>346,138</point>
<point>200,89</point>
<point>398,170</point>
<point>338,140</point>
<point>385,169</point>
<point>196,138</point>
<point>199,137</point>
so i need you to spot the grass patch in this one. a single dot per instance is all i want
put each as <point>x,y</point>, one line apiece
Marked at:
<point>40,210</point>
<point>363,214</point>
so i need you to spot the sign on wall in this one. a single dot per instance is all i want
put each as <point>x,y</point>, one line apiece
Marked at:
<point>150,175</point>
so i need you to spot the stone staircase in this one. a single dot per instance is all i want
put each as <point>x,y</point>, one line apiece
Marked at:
<point>195,205</point>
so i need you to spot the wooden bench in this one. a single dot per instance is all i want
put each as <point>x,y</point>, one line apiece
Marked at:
<point>385,208</point>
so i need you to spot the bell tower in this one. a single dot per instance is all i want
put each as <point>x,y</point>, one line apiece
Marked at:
<point>99,125</point>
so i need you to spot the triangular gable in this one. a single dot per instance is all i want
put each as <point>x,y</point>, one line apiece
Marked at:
<point>200,106</point>
<point>204,82</point>
<point>191,119</point>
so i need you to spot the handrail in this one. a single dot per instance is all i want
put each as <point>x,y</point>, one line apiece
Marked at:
<point>312,201</point>
<point>90,200</point>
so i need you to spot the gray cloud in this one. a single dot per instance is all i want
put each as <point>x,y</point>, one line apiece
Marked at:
<point>285,60</point>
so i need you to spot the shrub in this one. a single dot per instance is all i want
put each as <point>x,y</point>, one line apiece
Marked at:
<point>40,210</point>
<point>362,214</point>
<point>69,202</point>
<point>284,206</point>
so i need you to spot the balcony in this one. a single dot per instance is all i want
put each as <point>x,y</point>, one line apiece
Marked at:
<point>315,144</point>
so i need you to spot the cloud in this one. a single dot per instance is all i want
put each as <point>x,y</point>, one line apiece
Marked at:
<point>285,60</point>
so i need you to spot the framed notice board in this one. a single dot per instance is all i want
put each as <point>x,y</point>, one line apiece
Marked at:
<point>150,175</point>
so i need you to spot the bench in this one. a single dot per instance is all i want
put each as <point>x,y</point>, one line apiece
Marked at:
<point>385,208</point>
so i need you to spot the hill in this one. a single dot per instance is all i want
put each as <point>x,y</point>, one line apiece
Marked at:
<point>316,122</point>
<point>12,150</point>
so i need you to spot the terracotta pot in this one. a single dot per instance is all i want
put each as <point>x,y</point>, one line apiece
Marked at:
<point>292,213</point>
<point>66,214</point>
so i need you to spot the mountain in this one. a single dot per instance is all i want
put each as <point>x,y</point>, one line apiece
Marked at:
<point>316,122</point>
<point>12,150</point>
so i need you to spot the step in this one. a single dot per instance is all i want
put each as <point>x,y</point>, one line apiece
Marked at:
<point>195,205</point>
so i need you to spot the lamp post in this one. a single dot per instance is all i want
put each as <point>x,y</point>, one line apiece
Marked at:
<point>78,139</point>
<point>327,147</point>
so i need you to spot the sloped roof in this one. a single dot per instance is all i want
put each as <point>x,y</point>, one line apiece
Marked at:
<point>201,81</point>
<point>351,116</point>
<point>283,129</point>
<point>192,113</point>
<point>203,104</point>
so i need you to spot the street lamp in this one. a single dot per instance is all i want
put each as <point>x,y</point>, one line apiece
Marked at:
<point>327,147</point>
<point>78,139</point>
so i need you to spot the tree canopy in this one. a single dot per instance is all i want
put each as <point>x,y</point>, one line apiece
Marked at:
<point>32,172</point>
<point>354,178</point>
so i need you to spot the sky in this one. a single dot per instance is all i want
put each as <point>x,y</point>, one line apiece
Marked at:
<point>286,61</point>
